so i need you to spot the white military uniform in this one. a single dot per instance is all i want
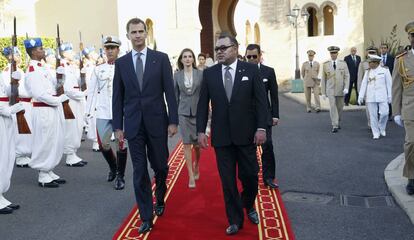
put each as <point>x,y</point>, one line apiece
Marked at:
<point>90,108</point>
<point>23,141</point>
<point>47,121</point>
<point>7,144</point>
<point>73,127</point>
<point>376,89</point>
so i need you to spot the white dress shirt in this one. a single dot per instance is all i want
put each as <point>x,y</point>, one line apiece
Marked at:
<point>232,71</point>
<point>143,57</point>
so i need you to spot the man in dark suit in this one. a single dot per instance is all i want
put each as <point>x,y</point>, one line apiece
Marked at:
<point>353,61</point>
<point>238,124</point>
<point>268,78</point>
<point>387,60</point>
<point>141,79</point>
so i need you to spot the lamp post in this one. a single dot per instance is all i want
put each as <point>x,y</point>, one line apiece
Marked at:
<point>293,19</point>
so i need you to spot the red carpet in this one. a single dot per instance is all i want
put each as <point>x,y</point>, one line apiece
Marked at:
<point>199,213</point>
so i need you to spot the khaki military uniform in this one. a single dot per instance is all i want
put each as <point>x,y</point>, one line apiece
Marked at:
<point>403,104</point>
<point>363,67</point>
<point>333,84</point>
<point>310,78</point>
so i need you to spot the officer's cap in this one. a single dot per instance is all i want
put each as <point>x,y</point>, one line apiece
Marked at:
<point>88,50</point>
<point>111,41</point>
<point>333,49</point>
<point>374,58</point>
<point>32,43</point>
<point>409,28</point>
<point>311,52</point>
<point>8,50</point>
<point>66,47</point>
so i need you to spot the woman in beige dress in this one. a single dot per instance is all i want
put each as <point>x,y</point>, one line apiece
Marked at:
<point>187,82</point>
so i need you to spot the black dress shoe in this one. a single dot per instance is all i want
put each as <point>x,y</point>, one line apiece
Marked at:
<point>145,227</point>
<point>51,184</point>
<point>84,162</point>
<point>269,183</point>
<point>6,210</point>
<point>22,165</point>
<point>339,127</point>
<point>232,229</point>
<point>410,187</point>
<point>253,216</point>
<point>60,181</point>
<point>14,206</point>
<point>78,164</point>
<point>159,209</point>
<point>111,176</point>
<point>317,110</point>
<point>334,130</point>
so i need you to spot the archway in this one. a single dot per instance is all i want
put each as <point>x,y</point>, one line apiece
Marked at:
<point>215,16</point>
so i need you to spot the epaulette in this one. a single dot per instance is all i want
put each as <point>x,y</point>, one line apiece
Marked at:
<point>401,54</point>
<point>385,66</point>
<point>99,64</point>
<point>326,61</point>
<point>31,68</point>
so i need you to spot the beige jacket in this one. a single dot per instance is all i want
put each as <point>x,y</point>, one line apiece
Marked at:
<point>403,86</point>
<point>334,81</point>
<point>310,74</point>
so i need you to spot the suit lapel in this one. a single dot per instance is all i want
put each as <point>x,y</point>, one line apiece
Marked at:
<point>150,59</point>
<point>237,79</point>
<point>131,69</point>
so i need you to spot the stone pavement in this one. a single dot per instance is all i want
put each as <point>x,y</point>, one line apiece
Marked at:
<point>396,184</point>
<point>300,98</point>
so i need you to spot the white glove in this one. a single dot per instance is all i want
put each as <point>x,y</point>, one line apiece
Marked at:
<point>60,70</point>
<point>16,108</point>
<point>345,91</point>
<point>16,75</point>
<point>63,98</point>
<point>398,121</point>
<point>324,97</point>
<point>360,101</point>
<point>389,100</point>
<point>83,70</point>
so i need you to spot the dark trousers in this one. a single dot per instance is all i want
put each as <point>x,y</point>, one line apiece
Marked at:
<point>352,83</point>
<point>156,149</point>
<point>243,159</point>
<point>268,157</point>
<point>390,110</point>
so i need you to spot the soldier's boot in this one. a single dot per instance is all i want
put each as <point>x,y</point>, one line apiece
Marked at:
<point>111,160</point>
<point>410,187</point>
<point>121,158</point>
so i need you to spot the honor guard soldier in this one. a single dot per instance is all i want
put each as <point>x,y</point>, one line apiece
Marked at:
<point>335,84</point>
<point>90,60</point>
<point>23,141</point>
<point>100,91</point>
<point>47,116</point>
<point>73,127</point>
<point>7,143</point>
<point>376,90</point>
<point>363,67</point>
<point>403,103</point>
<point>310,71</point>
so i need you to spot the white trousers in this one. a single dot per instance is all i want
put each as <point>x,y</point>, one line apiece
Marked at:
<point>74,127</point>
<point>24,141</point>
<point>7,156</point>
<point>378,123</point>
<point>48,136</point>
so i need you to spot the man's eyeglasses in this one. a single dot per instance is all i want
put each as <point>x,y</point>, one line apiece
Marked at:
<point>251,56</point>
<point>222,48</point>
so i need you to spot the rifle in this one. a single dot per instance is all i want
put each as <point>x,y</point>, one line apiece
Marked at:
<point>67,111</point>
<point>22,125</point>
<point>82,75</point>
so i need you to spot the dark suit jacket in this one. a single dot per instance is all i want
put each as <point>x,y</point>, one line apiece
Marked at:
<point>390,62</point>
<point>352,67</point>
<point>233,122</point>
<point>131,106</point>
<point>268,77</point>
